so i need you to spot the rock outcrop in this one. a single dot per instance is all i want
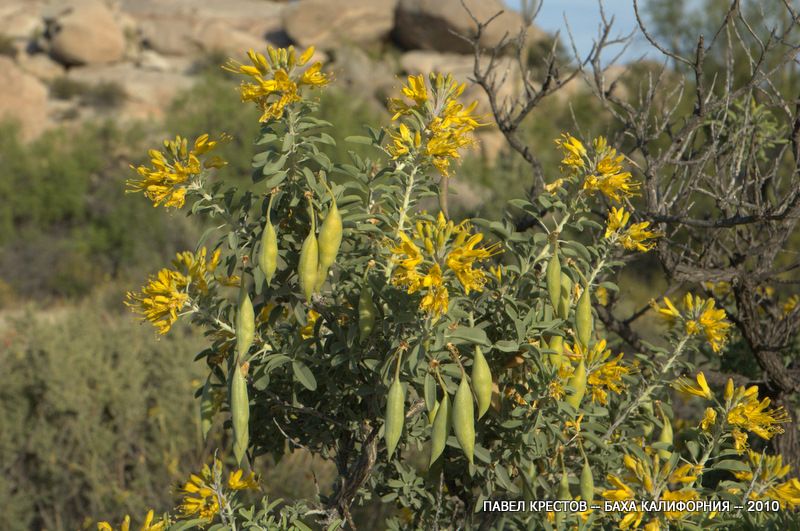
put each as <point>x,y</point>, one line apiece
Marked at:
<point>22,98</point>
<point>85,32</point>
<point>326,24</point>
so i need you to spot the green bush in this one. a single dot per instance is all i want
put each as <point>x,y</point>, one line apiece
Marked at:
<point>96,415</point>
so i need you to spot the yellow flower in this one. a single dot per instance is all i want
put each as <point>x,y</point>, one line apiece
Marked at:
<point>686,473</point>
<point>681,495</point>
<point>617,220</point>
<point>450,255</point>
<point>237,481</point>
<point>601,293</point>
<point>197,267</point>
<point>790,304</point>
<point>604,374</point>
<point>200,499</point>
<point>699,316</point>
<point>308,330</point>
<point>173,169</point>
<point>554,186</point>
<point>148,525</point>
<point>441,125</point>
<point>739,441</point>
<point>275,82</point>
<point>752,415</point>
<point>684,385</point>
<point>161,299</point>
<point>770,467</point>
<point>622,491</point>
<point>573,151</point>
<point>709,418</point>
<point>787,493</point>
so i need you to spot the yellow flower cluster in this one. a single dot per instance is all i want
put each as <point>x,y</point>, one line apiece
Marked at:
<point>276,79</point>
<point>684,385</point>
<point>751,414</point>
<point>440,124</point>
<point>649,477</point>
<point>634,238</point>
<point>699,316</point>
<point>148,525</point>
<point>173,168</point>
<point>166,293</point>
<point>602,170</point>
<point>436,250</point>
<point>604,374</point>
<point>203,492</point>
<point>771,469</point>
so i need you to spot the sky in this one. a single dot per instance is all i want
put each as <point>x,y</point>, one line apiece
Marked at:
<point>584,16</point>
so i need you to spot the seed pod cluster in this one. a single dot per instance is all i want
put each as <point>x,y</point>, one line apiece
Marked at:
<point>647,406</point>
<point>584,322</point>
<point>240,413</point>
<point>481,381</point>
<point>268,254</point>
<point>395,415</point>
<point>367,313</point>
<point>464,418</point>
<point>308,264</point>
<point>578,382</point>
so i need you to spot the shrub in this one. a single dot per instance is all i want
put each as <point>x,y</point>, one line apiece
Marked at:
<point>433,374</point>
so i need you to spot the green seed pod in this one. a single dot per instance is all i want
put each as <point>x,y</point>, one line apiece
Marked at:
<point>566,296</point>
<point>464,418</point>
<point>648,427</point>
<point>240,413</point>
<point>556,344</point>
<point>245,320</point>
<point>206,409</point>
<point>563,487</point>
<point>395,415</point>
<point>553,277</point>
<point>432,412</point>
<point>330,239</point>
<point>529,482</point>
<point>584,322</point>
<point>481,381</point>
<point>441,429</point>
<point>307,266</point>
<point>577,382</point>
<point>587,482</point>
<point>268,255</point>
<point>666,436</point>
<point>367,313</point>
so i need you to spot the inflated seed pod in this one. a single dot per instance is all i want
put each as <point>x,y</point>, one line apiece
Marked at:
<point>553,277</point>
<point>268,254</point>
<point>563,487</point>
<point>307,266</point>
<point>395,415</point>
<point>245,320</point>
<point>464,418</point>
<point>240,413</point>
<point>578,383</point>
<point>206,408</point>
<point>565,300</point>
<point>556,344</point>
<point>481,381</point>
<point>584,322</point>
<point>587,482</point>
<point>441,428</point>
<point>330,239</point>
<point>367,312</point>
<point>666,436</point>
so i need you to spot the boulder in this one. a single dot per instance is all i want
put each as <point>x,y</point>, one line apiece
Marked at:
<point>85,32</point>
<point>21,20</point>
<point>23,98</point>
<point>360,75</point>
<point>428,24</point>
<point>40,65</point>
<point>326,24</point>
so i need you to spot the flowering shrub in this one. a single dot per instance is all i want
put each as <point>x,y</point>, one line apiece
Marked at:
<point>373,333</point>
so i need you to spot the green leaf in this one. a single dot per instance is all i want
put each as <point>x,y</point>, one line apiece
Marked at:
<point>304,375</point>
<point>731,464</point>
<point>464,334</point>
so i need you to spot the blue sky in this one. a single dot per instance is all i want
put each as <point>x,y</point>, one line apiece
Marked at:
<point>583,17</point>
